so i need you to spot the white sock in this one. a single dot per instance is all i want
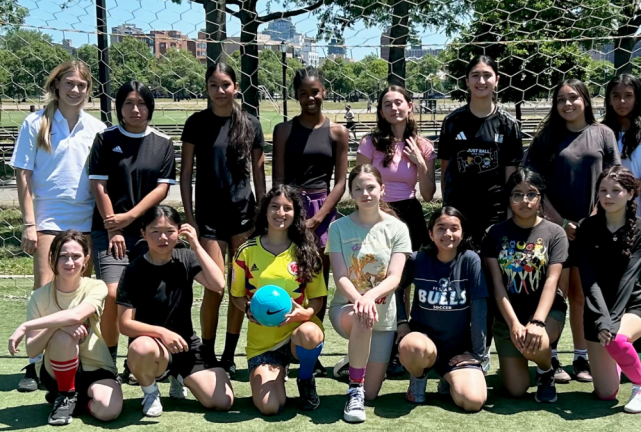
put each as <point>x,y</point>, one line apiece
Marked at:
<point>580,353</point>
<point>150,388</point>
<point>555,354</point>
<point>541,372</point>
<point>36,359</point>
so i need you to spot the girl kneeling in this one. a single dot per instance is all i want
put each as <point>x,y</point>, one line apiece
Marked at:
<point>281,251</point>
<point>447,330</point>
<point>63,321</point>
<point>154,298</point>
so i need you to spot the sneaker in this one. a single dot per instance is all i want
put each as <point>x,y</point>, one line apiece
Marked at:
<point>354,411</point>
<point>545,389</point>
<point>286,373</point>
<point>634,403</point>
<point>29,381</point>
<point>308,396</point>
<point>50,397</point>
<point>319,370</point>
<point>581,369</point>
<point>341,369</point>
<point>176,388</point>
<point>485,364</point>
<point>443,387</point>
<point>395,368</point>
<point>63,408</point>
<point>416,390</point>
<point>151,406</point>
<point>229,366</point>
<point>560,375</point>
<point>128,377</point>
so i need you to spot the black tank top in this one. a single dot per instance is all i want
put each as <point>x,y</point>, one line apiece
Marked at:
<point>309,156</point>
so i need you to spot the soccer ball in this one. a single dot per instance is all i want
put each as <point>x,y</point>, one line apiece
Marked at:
<point>270,304</point>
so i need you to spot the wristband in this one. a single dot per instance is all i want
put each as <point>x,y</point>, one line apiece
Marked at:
<point>565,223</point>
<point>537,323</point>
<point>402,322</point>
<point>29,225</point>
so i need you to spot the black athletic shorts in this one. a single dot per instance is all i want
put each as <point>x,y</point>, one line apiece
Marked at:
<point>186,363</point>
<point>410,211</point>
<point>84,380</point>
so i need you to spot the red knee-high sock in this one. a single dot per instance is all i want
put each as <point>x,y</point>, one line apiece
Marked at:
<point>65,372</point>
<point>623,352</point>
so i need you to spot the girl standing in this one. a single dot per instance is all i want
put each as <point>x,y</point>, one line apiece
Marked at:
<point>610,265</point>
<point>281,251</point>
<point>525,256</point>
<point>308,151</point>
<point>623,116</point>
<point>368,250</point>
<point>227,143</point>
<point>63,324</point>
<point>447,329</point>
<point>155,297</point>
<point>50,158</point>
<point>570,151</point>
<point>131,167</point>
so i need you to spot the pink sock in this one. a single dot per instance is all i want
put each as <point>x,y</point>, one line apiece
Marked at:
<point>623,352</point>
<point>356,375</point>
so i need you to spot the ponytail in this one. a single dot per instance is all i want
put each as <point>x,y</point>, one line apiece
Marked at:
<point>51,94</point>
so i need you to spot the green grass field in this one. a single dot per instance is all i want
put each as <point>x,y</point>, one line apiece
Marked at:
<point>576,408</point>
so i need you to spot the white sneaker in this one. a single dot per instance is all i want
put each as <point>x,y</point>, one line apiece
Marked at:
<point>151,406</point>
<point>341,369</point>
<point>634,403</point>
<point>354,411</point>
<point>416,390</point>
<point>176,388</point>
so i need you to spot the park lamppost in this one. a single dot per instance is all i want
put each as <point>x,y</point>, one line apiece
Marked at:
<point>283,50</point>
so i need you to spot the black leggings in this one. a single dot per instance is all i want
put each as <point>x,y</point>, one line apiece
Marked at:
<point>411,212</point>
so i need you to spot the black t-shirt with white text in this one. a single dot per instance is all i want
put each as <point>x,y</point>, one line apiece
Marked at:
<point>162,295</point>
<point>132,165</point>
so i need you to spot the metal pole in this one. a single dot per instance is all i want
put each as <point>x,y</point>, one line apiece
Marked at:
<point>284,85</point>
<point>103,62</point>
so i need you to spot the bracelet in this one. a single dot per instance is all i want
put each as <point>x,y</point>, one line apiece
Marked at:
<point>29,225</point>
<point>537,323</point>
<point>402,322</point>
<point>564,224</point>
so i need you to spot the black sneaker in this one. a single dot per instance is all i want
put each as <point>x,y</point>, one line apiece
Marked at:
<point>319,370</point>
<point>560,375</point>
<point>581,369</point>
<point>63,409</point>
<point>127,377</point>
<point>229,366</point>
<point>545,389</point>
<point>395,368</point>
<point>30,381</point>
<point>308,396</point>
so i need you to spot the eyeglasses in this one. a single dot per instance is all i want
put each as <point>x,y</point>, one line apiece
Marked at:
<point>518,197</point>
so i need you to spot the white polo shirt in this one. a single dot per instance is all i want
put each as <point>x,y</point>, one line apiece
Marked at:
<point>61,189</point>
<point>633,164</point>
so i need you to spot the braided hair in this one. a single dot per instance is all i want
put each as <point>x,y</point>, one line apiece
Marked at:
<point>630,183</point>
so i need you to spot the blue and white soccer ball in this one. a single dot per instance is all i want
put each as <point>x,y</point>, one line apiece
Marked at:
<point>270,304</point>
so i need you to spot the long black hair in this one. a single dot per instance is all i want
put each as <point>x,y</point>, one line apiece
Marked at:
<point>632,137</point>
<point>525,175</point>
<point>382,136</point>
<point>307,255</point>
<point>153,213</point>
<point>630,183</point>
<point>553,127</point>
<point>487,60</point>
<point>142,90</point>
<point>241,132</point>
<point>466,240</point>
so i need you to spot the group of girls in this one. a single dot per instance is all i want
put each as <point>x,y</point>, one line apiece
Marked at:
<point>573,230</point>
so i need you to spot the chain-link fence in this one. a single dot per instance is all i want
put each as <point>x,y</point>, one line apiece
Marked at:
<point>361,45</point>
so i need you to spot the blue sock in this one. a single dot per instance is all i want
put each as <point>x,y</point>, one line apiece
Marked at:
<point>307,358</point>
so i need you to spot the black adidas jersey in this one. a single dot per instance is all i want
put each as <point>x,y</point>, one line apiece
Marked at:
<point>478,151</point>
<point>132,165</point>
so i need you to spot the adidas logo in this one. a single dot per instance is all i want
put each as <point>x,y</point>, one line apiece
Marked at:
<point>254,268</point>
<point>461,136</point>
<point>117,149</point>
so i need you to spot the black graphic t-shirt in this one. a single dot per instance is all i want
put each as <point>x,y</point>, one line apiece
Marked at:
<point>524,255</point>
<point>478,150</point>
<point>444,297</point>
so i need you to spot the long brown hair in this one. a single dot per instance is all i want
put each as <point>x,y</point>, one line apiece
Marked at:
<point>370,169</point>
<point>51,94</point>
<point>382,136</point>
<point>54,252</point>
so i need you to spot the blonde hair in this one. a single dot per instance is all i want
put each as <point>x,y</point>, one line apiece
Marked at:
<point>51,94</point>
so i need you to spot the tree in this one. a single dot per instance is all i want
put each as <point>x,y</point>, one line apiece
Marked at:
<point>180,73</point>
<point>371,75</point>
<point>89,54</point>
<point>28,58</point>
<point>131,59</point>
<point>11,13</point>
<point>506,30</point>
<point>626,34</point>
<point>340,76</point>
<point>424,75</point>
<point>270,74</point>
<point>599,74</point>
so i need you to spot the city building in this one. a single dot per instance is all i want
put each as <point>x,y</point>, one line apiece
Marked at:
<point>124,30</point>
<point>336,46</point>
<point>606,52</point>
<point>280,29</point>
<point>413,52</point>
<point>67,45</point>
<point>309,54</point>
<point>161,41</point>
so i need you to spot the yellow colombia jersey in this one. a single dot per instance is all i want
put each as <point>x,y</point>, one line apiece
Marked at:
<point>255,267</point>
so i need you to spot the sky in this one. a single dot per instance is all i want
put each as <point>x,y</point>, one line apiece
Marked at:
<point>77,22</point>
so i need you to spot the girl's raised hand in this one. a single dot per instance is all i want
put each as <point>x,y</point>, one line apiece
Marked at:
<point>190,233</point>
<point>413,152</point>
